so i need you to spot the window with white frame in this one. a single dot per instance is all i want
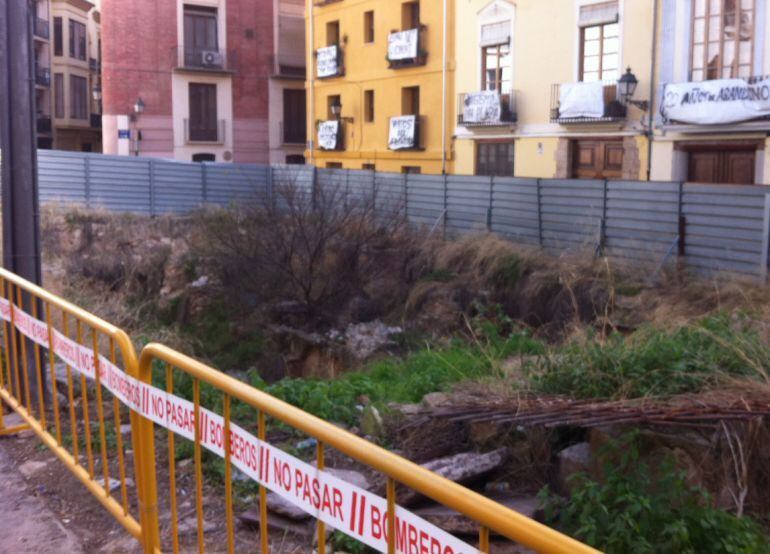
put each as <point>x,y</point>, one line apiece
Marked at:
<point>722,39</point>
<point>599,42</point>
<point>496,72</point>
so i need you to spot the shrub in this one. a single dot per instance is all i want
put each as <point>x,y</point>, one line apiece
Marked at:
<point>638,510</point>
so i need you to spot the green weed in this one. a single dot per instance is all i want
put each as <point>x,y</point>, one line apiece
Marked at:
<point>638,510</point>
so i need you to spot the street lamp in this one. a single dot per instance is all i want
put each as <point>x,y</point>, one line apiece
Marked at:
<point>138,110</point>
<point>627,87</point>
<point>96,93</point>
<point>336,108</point>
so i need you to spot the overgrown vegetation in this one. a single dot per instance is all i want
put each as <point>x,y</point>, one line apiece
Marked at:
<point>641,509</point>
<point>657,361</point>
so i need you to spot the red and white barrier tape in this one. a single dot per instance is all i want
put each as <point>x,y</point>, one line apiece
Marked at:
<point>343,506</point>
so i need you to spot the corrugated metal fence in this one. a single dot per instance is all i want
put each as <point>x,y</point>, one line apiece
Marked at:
<point>707,227</point>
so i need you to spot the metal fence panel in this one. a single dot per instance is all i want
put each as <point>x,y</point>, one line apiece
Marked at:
<point>638,221</point>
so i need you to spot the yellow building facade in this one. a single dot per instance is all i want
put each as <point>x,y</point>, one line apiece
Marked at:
<point>369,62</point>
<point>553,67</point>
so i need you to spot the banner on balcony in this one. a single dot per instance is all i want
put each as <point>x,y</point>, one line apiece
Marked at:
<point>716,102</point>
<point>403,45</point>
<point>327,61</point>
<point>581,100</point>
<point>403,132</point>
<point>482,107</point>
<point>328,134</point>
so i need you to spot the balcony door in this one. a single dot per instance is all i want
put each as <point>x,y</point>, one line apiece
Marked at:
<point>200,34</point>
<point>203,113</point>
<point>597,159</point>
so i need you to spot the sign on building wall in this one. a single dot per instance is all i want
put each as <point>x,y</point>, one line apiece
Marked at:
<point>717,101</point>
<point>581,100</point>
<point>403,132</point>
<point>327,61</point>
<point>403,45</point>
<point>328,134</point>
<point>482,107</point>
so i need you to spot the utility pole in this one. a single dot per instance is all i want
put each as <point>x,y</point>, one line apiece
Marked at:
<point>18,148</point>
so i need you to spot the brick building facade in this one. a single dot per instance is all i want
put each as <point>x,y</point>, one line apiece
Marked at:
<point>201,69</point>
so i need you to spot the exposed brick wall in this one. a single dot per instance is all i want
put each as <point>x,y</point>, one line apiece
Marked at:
<point>138,54</point>
<point>250,38</point>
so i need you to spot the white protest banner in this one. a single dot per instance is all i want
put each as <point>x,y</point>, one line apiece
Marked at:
<point>350,509</point>
<point>403,131</point>
<point>482,107</point>
<point>716,102</point>
<point>581,100</point>
<point>327,61</point>
<point>328,134</point>
<point>403,45</point>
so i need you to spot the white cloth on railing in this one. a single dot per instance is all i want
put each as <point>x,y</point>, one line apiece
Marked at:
<point>581,100</point>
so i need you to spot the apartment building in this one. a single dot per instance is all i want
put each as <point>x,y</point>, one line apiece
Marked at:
<point>288,105</point>
<point>713,67</point>
<point>380,84</point>
<point>552,88</point>
<point>188,80</point>
<point>67,74</point>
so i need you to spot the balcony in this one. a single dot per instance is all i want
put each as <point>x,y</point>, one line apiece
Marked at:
<point>330,62</point>
<point>331,135</point>
<point>44,124</point>
<point>42,76</point>
<point>293,133</point>
<point>96,121</point>
<point>41,28</point>
<point>198,132</point>
<point>486,109</point>
<point>405,134</point>
<point>705,103</point>
<point>193,59</point>
<point>405,48</point>
<point>581,103</point>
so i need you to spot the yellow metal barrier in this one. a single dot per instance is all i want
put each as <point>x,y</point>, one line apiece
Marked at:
<point>63,437</point>
<point>64,330</point>
<point>490,515</point>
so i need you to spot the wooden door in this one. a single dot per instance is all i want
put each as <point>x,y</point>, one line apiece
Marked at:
<point>730,167</point>
<point>597,159</point>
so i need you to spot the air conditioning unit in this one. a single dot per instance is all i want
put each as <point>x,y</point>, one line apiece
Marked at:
<point>211,58</point>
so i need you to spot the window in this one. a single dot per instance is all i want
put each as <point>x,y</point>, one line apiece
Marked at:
<point>204,157</point>
<point>294,118</point>
<point>200,34</point>
<point>78,97</point>
<point>410,101</point>
<point>333,33</point>
<point>58,37</point>
<point>203,113</point>
<point>332,100</point>
<point>295,159</point>
<point>58,89</point>
<point>368,106</point>
<point>494,158</point>
<point>77,40</point>
<point>368,167</point>
<point>334,165</point>
<point>369,26</point>
<point>722,39</point>
<point>410,15</point>
<point>599,42</point>
<point>411,169</point>
<point>496,68</point>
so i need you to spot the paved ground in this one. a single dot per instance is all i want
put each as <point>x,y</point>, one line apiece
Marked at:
<point>26,524</point>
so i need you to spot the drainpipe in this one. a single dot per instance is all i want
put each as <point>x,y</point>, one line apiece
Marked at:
<point>650,132</point>
<point>311,111</point>
<point>444,93</point>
